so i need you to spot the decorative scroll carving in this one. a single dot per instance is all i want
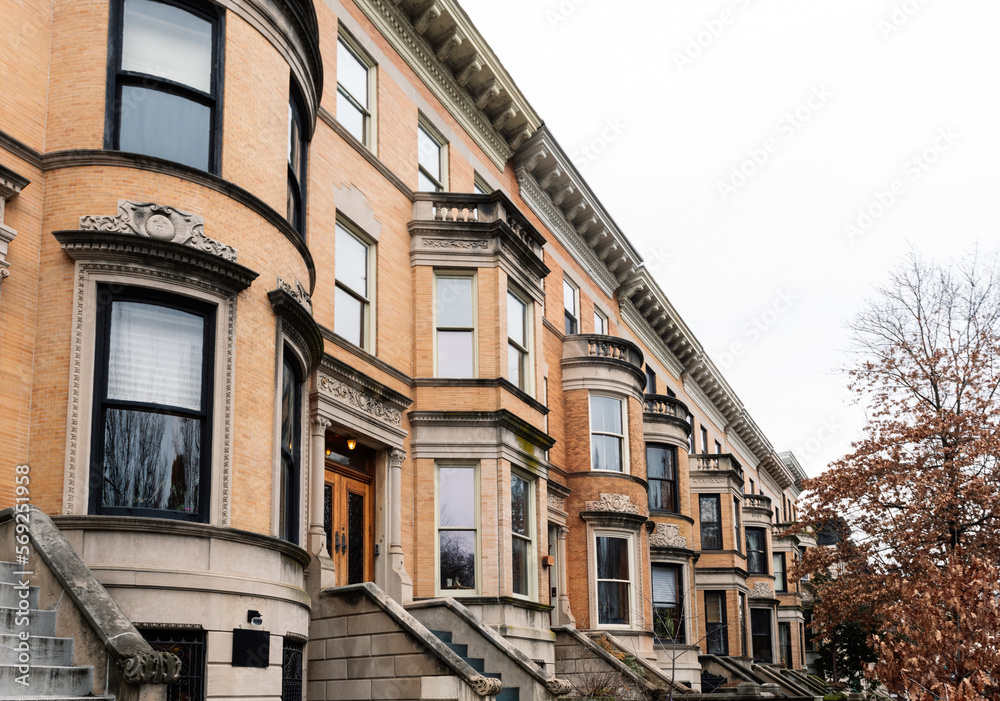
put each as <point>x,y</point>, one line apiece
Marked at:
<point>457,243</point>
<point>486,686</point>
<point>761,590</point>
<point>298,293</point>
<point>161,223</point>
<point>150,668</point>
<point>613,502</point>
<point>556,502</point>
<point>667,535</point>
<point>359,400</point>
<point>558,687</point>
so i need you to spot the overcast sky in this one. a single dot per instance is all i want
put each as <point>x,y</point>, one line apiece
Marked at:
<point>771,160</point>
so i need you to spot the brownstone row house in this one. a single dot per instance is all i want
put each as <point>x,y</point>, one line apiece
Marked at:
<point>324,361</point>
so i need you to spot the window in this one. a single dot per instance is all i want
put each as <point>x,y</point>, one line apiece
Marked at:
<point>189,646</point>
<point>522,533</point>
<point>711,522</point>
<point>518,331</point>
<point>760,634</point>
<point>671,393</point>
<point>570,305</point>
<point>607,433</point>
<point>431,158</point>
<point>704,440</point>
<point>668,620</point>
<point>802,555</point>
<point>352,296</point>
<point>479,185</point>
<point>743,624</point>
<point>718,448</point>
<point>600,323</point>
<point>164,89</point>
<point>736,522</point>
<point>661,475</point>
<point>297,149</point>
<point>780,579</point>
<point>152,410</point>
<point>785,643</point>
<point>291,433</point>
<point>458,538</point>
<point>456,326</point>
<point>650,381</point>
<point>614,576</point>
<point>355,90</point>
<point>807,627</point>
<point>756,551</point>
<point>752,487</point>
<point>291,670</point>
<point>715,623</point>
<point>690,420</point>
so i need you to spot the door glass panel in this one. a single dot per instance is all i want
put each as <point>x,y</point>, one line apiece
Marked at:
<point>328,517</point>
<point>355,538</point>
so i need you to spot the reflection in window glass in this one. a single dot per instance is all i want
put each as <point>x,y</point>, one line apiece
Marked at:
<point>164,125</point>
<point>613,601</point>
<point>429,157</point>
<point>353,109</point>
<point>457,528</point>
<point>351,309</point>
<point>661,474</point>
<point>606,433</point>
<point>668,624</point>
<point>168,42</point>
<point>455,327</point>
<point>517,345</point>
<point>520,528</point>
<point>711,522</point>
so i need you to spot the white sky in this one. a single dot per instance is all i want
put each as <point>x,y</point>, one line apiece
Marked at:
<point>885,76</point>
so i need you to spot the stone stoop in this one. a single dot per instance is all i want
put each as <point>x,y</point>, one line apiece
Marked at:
<point>364,645</point>
<point>488,651</point>
<point>51,673</point>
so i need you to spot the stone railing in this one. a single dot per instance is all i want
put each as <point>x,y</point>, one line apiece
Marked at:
<point>757,501</point>
<point>716,462</point>
<point>469,208</point>
<point>662,405</point>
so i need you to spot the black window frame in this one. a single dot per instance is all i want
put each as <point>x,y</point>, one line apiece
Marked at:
<point>291,505</point>
<point>669,508</point>
<point>704,439</point>
<point>757,636</point>
<point>716,637</point>
<point>782,585</point>
<point>571,320</point>
<point>118,78</point>
<point>107,295</point>
<point>650,380</point>
<point>678,615</point>
<point>785,644</point>
<point>752,553</point>
<point>189,644</point>
<point>737,508</point>
<point>297,182</point>
<point>703,523</point>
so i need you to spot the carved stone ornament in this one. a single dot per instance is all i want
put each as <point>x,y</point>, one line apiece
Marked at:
<point>667,535</point>
<point>761,590</point>
<point>558,687</point>
<point>486,686</point>
<point>297,292</point>
<point>150,668</point>
<point>457,243</point>
<point>613,502</point>
<point>359,400</point>
<point>556,502</point>
<point>396,457</point>
<point>160,223</point>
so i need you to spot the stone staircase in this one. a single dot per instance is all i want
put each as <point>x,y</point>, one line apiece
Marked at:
<point>507,693</point>
<point>44,661</point>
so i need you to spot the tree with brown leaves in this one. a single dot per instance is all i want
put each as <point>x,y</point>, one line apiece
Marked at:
<point>920,491</point>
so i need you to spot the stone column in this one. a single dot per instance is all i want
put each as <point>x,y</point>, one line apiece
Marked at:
<point>321,562</point>
<point>400,586</point>
<point>566,617</point>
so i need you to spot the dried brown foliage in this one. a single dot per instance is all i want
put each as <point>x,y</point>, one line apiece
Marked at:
<point>920,491</point>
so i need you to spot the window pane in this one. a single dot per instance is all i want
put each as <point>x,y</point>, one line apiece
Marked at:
<point>662,495</point>
<point>454,354</point>
<point>516,313</point>
<point>612,603</point>
<point>599,324</point>
<point>514,365</point>
<point>348,317</point>
<point>426,184</point>
<point>294,139</point>
<point>569,298</point>
<point>519,565</point>
<point>606,453</point>
<point>163,125</point>
<point>155,355</point>
<point>151,461</point>
<point>458,560</point>
<point>664,584</point>
<point>351,118</point>
<point>429,153</point>
<point>165,41</point>
<point>605,414</point>
<point>612,558</point>
<point>711,528</point>
<point>660,462</point>
<point>519,505</point>
<point>454,302</point>
<point>456,494</point>
<point>288,400</point>
<point>352,74</point>
<point>351,266</point>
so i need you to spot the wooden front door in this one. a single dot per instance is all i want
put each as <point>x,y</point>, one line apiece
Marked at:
<point>350,533</point>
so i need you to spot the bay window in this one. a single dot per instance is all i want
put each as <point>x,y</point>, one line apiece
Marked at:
<point>710,518</point>
<point>760,635</point>
<point>458,530</point>
<point>661,475</point>
<point>456,325</point>
<point>291,442</point>
<point>297,150</point>
<point>785,643</point>
<point>607,433</point>
<point>522,523</point>
<point>668,618</point>
<point>756,551</point>
<point>518,355</point>
<point>715,623</point>
<point>614,580</point>
<point>780,578</point>
<point>165,81</point>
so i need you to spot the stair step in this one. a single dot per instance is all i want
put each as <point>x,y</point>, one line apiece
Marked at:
<point>41,650</point>
<point>509,693</point>
<point>443,635</point>
<point>40,623</point>
<point>49,680</point>
<point>9,596</point>
<point>7,570</point>
<point>477,663</point>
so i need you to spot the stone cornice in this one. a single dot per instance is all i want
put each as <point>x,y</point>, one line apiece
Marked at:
<point>438,41</point>
<point>501,419</point>
<point>11,183</point>
<point>339,380</point>
<point>638,324</point>
<point>296,312</point>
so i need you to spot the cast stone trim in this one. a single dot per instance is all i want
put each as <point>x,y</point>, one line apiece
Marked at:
<point>160,223</point>
<point>620,503</point>
<point>761,590</point>
<point>298,293</point>
<point>375,408</point>
<point>667,535</point>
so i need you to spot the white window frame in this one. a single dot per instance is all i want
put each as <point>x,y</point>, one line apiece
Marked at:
<point>369,336</point>
<point>370,119</point>
<point>527,372</point>
<point>479,185</point>
<point>567,283</point>
<point>437,530</point>
<point>633,613</point>
<point>531,556</point>
<point>623,403</point>
<point>423,124</point>
<point>599,316</point>
<point>456,274</point>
